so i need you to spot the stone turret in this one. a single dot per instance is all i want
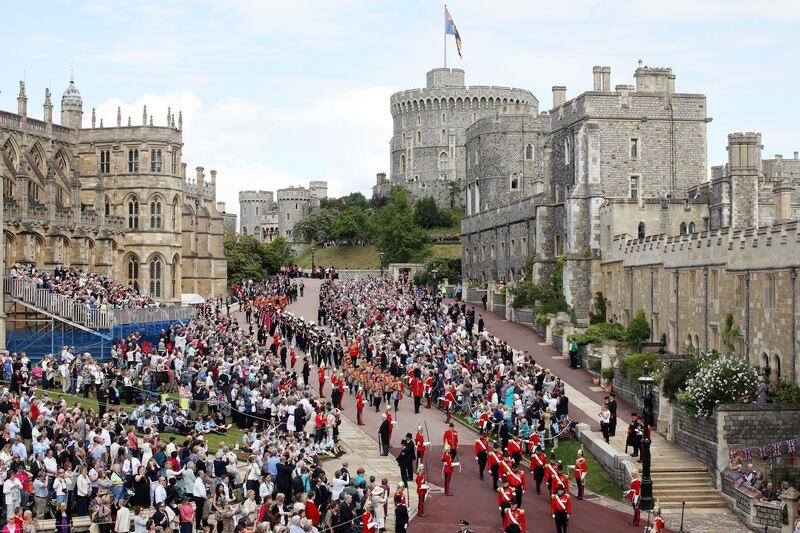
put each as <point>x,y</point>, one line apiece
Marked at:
<point>48,107</point>
<point>71,107</point>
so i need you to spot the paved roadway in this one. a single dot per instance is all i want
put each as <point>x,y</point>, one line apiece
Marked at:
<point>473,499</point>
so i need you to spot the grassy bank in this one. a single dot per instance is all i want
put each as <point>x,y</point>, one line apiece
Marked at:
<point>362,257</point>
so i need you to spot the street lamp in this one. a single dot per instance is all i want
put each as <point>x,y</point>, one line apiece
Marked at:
<point>646,383</point>
<point>380,254</point>
<point>312,257</point>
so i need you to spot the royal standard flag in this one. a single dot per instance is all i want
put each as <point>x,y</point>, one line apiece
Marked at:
<point>450,29</point>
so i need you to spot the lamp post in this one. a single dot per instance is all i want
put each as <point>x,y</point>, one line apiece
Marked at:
<point>312,257</point>
<point>380,254</point>
<point>646,383</point>
<point>433,277</point>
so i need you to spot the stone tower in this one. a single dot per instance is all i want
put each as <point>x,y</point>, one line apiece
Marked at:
<point>71,107</point>
<point>253,206</point>
<point>294,203</point>
<point>744,165</point>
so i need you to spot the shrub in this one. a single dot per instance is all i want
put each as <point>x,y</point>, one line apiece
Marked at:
<point>638,328</point>
<point>785,392</point>
<point>632,367</point>
<point>719,380</point>
<point>421,277</point>
<point>600,306</point>
<point>608,375</point>
<point>675,376</point>
<point>597,333</point>
<point>542,320</point>
<point>560,329</point>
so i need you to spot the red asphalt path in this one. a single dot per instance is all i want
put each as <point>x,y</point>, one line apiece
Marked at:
<point>474,499</point>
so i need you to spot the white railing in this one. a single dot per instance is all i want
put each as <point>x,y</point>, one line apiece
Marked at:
<point>81,313</point>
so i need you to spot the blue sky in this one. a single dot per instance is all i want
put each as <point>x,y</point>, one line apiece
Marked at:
<point>279,93</point>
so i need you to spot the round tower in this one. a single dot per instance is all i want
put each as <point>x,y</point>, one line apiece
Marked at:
<point>71,107</point>
<point>294,203</point>
<point>253,206</point>
<point>427,147</point>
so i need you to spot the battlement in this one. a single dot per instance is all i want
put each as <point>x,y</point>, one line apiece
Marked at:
<point>259,196</point>
<point>297,193</point>
<point>472,97</point>
<point>773,246</point>
<point>445,77</point>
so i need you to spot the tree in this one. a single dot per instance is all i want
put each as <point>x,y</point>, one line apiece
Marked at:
<point>330,203</point>
<point>244,258</point>
<point>399,237</point>
<point>356,200</point>
<point>730,332</point>
<point>275,255</point>
<point>350,224</point>
<point>454,189</point>
<point>316,226</point>
<point>428,215</point>
<point>638,328</point>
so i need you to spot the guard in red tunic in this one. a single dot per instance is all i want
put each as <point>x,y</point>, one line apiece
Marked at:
<point>422,490</point>
<point>561,509</point>
<point>450,441</point>
<point>482,453</point>
<point>321,379</point>
<point>560,480</point>
<point>634,493</point>
<point>392,423</point>
<point>360,406</point>
<point>447,470</point>
<point>517,480</point>
<point>505,495</point>
<point>340,386</point>
<point>514,451</point>
<point>417,390</point>
<point>538,463</point>
<point>532,443</point>
<point>483,422</point>
<point>514,519</point>
<point>493,462</point>
<point>449,401</point>
<point>658,523</point>
<point>420,444</point>
<point>580,473</point>
<point>551,473</point>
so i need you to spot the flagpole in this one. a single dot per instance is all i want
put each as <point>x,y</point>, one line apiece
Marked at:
<point>445,38</point>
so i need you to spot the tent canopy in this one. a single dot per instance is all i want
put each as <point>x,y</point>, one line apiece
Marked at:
<point>192,299</point>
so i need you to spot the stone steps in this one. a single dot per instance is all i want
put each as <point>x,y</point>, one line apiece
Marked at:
<point>673,486</point>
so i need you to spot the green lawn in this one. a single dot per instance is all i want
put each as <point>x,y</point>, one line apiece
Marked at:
<point>597,479</point>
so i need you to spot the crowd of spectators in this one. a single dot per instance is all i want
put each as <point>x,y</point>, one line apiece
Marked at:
<point>96,290</point>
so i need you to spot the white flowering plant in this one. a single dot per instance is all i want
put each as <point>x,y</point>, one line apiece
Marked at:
<point>724,379</point>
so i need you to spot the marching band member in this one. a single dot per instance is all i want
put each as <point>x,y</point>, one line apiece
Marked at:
<point>420,443</point>
<point>505,495</point>
<point>447,469</point>
<point>561,509</point>
<point>450,440</point>
<point>538,462</point>
<point>493,462</point>
<point>482,453</point>
<point>360,406</point>
<point>514,519</point>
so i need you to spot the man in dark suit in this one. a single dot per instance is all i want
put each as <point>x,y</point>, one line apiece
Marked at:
<point>612,408</point>
<point>26,430</point>
<point>406,459</point>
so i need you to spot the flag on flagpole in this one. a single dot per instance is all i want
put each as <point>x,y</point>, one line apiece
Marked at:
<point>450,29</point>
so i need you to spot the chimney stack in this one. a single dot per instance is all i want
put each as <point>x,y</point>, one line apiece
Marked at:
<point>606,79</point>
<point>559,95</point>
<point>783,201</point>
<point>598,82</point>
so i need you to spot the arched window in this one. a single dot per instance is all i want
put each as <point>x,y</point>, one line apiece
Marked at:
<point>132,266</point>
<point>514,182</point>
<point>403,163</point>
<point>61,161</point>
<point>443,137</point>
<point>107,206</point>
<point>529,152</point>
<point>683,228</point>
<point>641,233</point>
<point>105,161</point>
<point>443,161</point>
<point>155,214</point>
<point>419,119</point>
<point>692,228</point>
<point>155,277</point>
<point>175,210</point>
<point>133,213</point>
<point>156,161</point>
<point>244,230</point>
<point>776,367</point>
<point>444,119</point>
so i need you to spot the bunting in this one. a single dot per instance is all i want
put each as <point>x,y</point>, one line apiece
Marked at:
<point>773,450</point>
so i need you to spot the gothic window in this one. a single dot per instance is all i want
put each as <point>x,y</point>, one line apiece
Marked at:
<point>107,206</point>
<point>133,160</point>
<point>692,228</point>
<point>38,160</point>
<point>402,163</point>
<point>133,213</point>
<point>443,118</point>
<point>288,216</point>
<point>683,228</point>
<point>443,137</point>
<point>557,245</point>
<point>514,182</point>
<point>105,161</point>
<point>8,187</point>
<point>8,148</point>
<point>155,161</point>
<point>641,233</point>
<point>419,137</point>
<point>174,163</point>
<point>155,214</point>
<point>155,277</point>
<point>634,187</point>
<point>529,152</point>
<point>133,271</point>
<point>443,161</point>
<point>61,162</point>
<point>419,119</point>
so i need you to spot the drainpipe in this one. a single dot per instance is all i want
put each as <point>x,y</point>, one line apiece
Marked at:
<point>652,289</point>
<point>705,304</point>
<point>747,316</point>
<point>793,276</point>
<point>677,312</point>
<point>630,276</point>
